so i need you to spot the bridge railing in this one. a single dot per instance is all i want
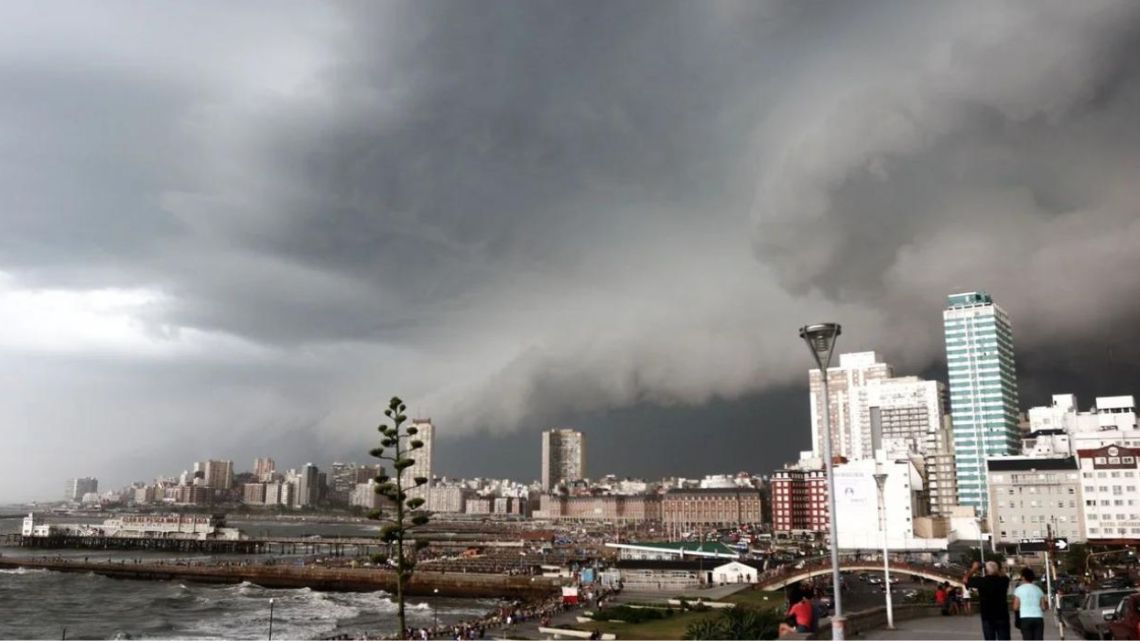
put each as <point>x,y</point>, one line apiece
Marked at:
<point>775,575</point>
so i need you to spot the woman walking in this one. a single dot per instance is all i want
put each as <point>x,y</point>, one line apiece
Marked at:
<point>1030,603</point>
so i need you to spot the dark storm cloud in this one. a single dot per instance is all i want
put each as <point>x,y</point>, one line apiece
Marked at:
<point>524,213</point>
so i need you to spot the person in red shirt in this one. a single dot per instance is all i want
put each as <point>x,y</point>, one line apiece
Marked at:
<point>803,613</point>
<point>940,598</point>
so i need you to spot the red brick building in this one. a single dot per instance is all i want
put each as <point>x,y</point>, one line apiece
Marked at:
<point>711,506</point>
<point>799,501</point>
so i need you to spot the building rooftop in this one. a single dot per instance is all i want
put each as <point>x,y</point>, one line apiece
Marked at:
<point>712,490</point>
<point>1030,463</point>
<point>687,547</point>
<point>966,299</point>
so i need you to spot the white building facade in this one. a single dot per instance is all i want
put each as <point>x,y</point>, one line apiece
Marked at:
<point>858,509</point>
<point>846,382</point>
<point>1110,476</point>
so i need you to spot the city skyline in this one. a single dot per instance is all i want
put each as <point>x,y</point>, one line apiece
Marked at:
<point>607,216</point>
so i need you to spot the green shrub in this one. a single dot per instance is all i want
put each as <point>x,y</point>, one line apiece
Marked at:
<point>737,623</point>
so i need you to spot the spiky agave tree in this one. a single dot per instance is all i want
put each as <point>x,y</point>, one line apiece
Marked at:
<point>396,445</point>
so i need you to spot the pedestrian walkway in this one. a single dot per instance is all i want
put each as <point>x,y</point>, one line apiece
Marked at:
<point>956,627</point>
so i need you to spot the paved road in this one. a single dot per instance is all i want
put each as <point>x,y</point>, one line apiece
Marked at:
<point>956,627</point>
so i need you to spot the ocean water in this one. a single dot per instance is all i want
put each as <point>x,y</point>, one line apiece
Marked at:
<point>38,604</point>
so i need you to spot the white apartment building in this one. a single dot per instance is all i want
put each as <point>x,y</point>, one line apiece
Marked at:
<point>1110,476</point>
<point>425,431</point>
<point>364,495</point>
<point>845,381</point>
<point>1030,494</point>
<point>449,499</point>
<point>1062,429</point>
<point>904,410</point>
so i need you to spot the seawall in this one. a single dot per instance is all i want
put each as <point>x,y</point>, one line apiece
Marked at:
<point>423,583</point>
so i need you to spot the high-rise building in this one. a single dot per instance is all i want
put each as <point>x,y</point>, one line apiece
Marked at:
<point>902,413</point>
<point>983,389</point>
<point>343,477</point>
<point>941,475</point>
<point>563,457</point>
<point>253,494</point>
<point>76,488</point>
<point>218,475</point>
<point>850,427</point>
<point>308,486</point>
<point>425,432</point>
<point>264,468</point>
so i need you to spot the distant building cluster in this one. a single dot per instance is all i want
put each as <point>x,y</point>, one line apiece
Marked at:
<point>920,462</point>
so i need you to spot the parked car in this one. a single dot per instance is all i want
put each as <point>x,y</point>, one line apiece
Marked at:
<point>1090,620</point>
<point>1124,621</point>
<point>1070,605</point>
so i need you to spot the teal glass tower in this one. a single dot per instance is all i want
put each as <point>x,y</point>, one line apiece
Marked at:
<point>983,389</point>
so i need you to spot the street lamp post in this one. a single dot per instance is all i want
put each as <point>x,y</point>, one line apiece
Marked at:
<point>270,619</point>
<point>881,482</point>
<point>435,611</point>
<point>820,339</point>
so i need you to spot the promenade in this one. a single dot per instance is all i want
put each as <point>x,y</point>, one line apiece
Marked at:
<point>956,627</point>
<point>453,584</point>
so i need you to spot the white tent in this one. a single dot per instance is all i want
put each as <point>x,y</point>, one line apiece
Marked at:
<point>734,572</point>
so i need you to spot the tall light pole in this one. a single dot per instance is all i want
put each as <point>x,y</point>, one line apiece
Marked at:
<point>881,482</point>
<point>270,619</point>
<point>820,339</point>
<point>435,610</point>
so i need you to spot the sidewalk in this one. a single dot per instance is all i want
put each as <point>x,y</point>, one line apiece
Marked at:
<point>955,627</point>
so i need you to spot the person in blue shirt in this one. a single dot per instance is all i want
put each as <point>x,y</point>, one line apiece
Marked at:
<point>1031,603</point>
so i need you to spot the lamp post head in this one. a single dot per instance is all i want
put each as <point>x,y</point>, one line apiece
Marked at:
<point>820,339</point>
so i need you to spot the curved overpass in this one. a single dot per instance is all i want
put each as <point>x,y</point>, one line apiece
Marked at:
<point>779,578</point>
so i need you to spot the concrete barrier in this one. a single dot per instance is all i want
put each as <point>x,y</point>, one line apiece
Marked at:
<point>873,619</point>
<point>715,605</point>
<point>423,583</point>
<point>563,633</point>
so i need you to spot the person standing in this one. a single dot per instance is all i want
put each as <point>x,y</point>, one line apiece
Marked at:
<point>1030,603</point>
<point>992,590</point>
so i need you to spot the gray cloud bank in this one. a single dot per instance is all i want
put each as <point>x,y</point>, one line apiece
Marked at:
<point>510,211</point>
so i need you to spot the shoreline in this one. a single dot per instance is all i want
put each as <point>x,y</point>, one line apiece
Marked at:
<point>331,579</point>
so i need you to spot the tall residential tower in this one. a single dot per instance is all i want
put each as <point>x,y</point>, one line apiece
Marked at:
<point>846,380</point>
<point>425,431</point>
<point>563,457</point>
<point>983,389</point>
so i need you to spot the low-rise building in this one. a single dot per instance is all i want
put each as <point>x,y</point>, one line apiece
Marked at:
<point>447,499</point>
<point>1109,478</point>
<point>713,507</point>
<point>603,507</point>
<point>1028,494</point>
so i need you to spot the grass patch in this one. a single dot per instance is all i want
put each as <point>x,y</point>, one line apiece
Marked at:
<point>667,628</point>
<point>758,599</point>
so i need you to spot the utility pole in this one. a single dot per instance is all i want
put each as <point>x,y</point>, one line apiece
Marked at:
<point>1050,547</point>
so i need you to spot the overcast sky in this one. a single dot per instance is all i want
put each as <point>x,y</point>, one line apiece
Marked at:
<point>236,229</point>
